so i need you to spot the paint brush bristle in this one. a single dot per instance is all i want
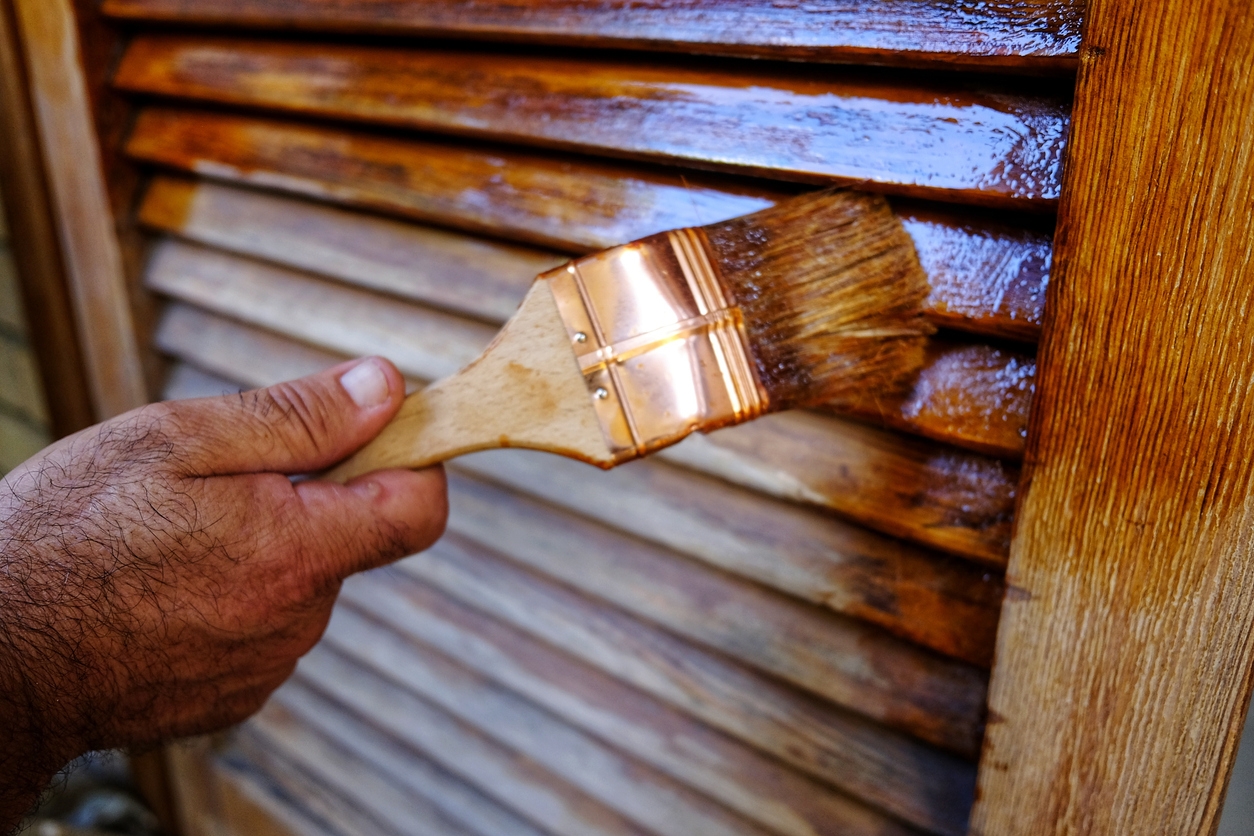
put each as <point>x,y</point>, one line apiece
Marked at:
<point>830,290</point>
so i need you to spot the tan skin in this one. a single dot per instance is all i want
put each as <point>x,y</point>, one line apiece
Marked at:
<point>160,574</point>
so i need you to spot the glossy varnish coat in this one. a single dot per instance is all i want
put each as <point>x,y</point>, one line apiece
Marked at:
<point>1027,35</point>
<point>900,135</point>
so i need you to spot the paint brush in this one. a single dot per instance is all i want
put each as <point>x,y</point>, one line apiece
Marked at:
<point>614,355</point>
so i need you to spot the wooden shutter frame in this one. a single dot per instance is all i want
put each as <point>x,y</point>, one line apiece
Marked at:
<point>1060,574</point>
<point>1122,670</point>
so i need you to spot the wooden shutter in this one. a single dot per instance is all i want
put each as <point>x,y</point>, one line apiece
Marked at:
<point>782,628</point>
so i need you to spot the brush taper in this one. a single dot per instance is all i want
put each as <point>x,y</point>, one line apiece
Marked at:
<point>614,355</point>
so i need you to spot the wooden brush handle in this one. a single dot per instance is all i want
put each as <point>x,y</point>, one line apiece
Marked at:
<point>526,390</point>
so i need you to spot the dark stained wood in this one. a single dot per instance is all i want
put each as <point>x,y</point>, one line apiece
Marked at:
<point>937,496</point>
<point>888,769</point>
<point>942,605</point>
<point>1036,36</point>
<point>987,278</point>
<point>1126,649</point>
<point>943,141</point>
<point>326,735</point>
<point>760,788</point>
<point>962,503</point>
<point>971,395</point>
<point>974,396</point>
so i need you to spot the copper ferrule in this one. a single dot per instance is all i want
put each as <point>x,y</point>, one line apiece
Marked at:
<point>661,348</point>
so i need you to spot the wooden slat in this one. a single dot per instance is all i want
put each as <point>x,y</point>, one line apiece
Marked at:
<point>958,502</point>
<point>245,355</point>
<point>381,798</point>
<point>475,276</point>
<point>423,342</point>
<point>761,788</point>
<point>304,710</point>
<point>887,769</point>
<point>987,276</point>
<point>641,793</point>
<point>975,396</point>
<point>510,778</point>
<point>1125,655</point>
<point>945,606</point>
<point>986,146</point>
<point>186,381</point>
<point>219,794</point>
<point>877,676</point>
<point>1027,36</point>
<point>311,787</point>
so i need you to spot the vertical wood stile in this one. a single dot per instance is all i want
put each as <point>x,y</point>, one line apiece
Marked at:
<point>84,220</point>
<point>1123,661</point>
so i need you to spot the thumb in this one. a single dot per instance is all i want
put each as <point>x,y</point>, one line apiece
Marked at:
<point>299,426</point>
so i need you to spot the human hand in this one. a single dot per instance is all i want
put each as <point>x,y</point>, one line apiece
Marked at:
<point>160,574</point>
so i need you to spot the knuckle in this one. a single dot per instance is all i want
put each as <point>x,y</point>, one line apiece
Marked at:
<point>306,416</point>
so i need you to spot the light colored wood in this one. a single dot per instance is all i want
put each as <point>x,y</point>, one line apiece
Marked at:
<point>458,272</point>
<point>304,712</point>
<point>359,799</point>
<point>761,788</point>
<point>214,798</point>
<point>1126,646</point>
<point>82,214</point>
<point>507,776</point>
<point>798,641</point>
<point>423,342</point>
<point>526,390</point>
<point>888,769</point>
<point>651,799</point>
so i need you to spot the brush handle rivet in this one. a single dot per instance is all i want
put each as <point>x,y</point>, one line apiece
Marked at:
<point>581,337</point>
<point>601,393</point>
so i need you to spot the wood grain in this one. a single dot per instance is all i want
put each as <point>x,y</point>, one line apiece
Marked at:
<point>376,799</point>
<point>217,793</point>
<point>888,769</point>
<point>32,237</point>
<point>972,395</point>
<point>958,502</point>
<point>1125,652</point>
<point>888,680</point>
<point>760,788</point>
<point>80,208</point>
<point>988,274</point>
<point>944,606</point>
<point>304,714</point>
<point>651,799</point>
<point>1040,36</point>
<point>421,341</point>
<point>952,141</point>
<point>512,779</point>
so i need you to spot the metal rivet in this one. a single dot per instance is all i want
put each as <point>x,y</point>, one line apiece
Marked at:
<point>601,393</point>
<point>581,337</point>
